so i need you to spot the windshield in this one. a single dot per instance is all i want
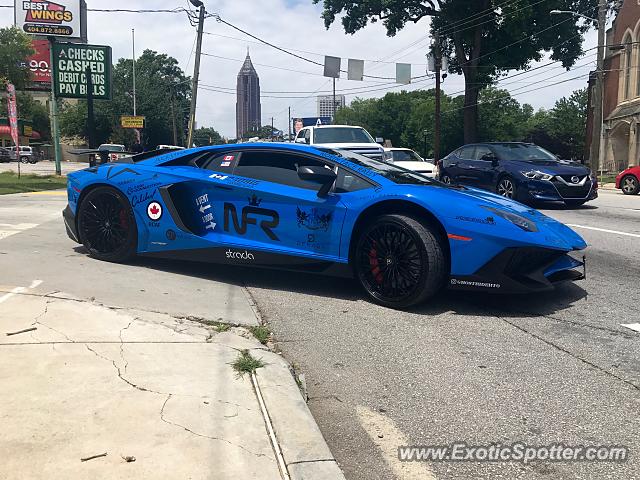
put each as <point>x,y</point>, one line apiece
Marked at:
<point>522,151</point>
<point>387,170</point>
<point>112,148</point>
<point>406,156</point>
<point>342,135</point>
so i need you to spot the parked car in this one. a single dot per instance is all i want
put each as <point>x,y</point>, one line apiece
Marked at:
<point>24,155</point>
<point>346,137</point>
<point>113,150</point>
<point>169,147</point>
<point>629,181</point>
<point>5,154</point>
<point>407,158</point>
<point>521,171</point>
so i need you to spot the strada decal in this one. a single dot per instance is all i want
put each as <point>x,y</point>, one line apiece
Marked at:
<point>314,219</point>
<point>142,198</point>
<point>154,211</point>
<point>248,218</point>
<point>240,255</point>
<point>485,221</point>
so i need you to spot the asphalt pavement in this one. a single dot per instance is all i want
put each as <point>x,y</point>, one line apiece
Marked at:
<point>483,369</point>
<point>541,369</point>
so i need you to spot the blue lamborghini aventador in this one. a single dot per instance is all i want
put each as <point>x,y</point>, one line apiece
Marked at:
<point>403,236</point>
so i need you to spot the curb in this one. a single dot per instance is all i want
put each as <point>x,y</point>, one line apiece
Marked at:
<point>304,449</point>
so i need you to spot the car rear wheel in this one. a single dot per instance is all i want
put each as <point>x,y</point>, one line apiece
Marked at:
<point>445,179</point>
<point>24,159</point>
<point>506,187</point>
<point>399,261</point>
<point>107,226</point>
<point>630,185</point>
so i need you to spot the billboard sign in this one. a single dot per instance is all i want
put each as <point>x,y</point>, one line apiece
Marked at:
<point>131,121</point>
<point>61,18</point>
<point>39,68</point>
<point>13,113</point>
<point>70,63</point>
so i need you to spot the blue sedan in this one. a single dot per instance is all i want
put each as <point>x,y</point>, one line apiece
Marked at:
<point>401,235</point>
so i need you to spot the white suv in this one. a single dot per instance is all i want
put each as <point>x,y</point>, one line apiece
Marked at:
<point>25,155</point>
<point>346,137</point>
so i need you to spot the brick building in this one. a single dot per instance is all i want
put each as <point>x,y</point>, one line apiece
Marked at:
<point>621,93</point>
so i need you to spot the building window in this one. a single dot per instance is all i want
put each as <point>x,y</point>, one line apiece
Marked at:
<point>627,61</point>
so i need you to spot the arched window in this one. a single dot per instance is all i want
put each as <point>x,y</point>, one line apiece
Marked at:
<point>627,61</point>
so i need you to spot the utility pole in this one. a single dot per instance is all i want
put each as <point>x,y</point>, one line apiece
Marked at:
<point>133,58</point>
<point>55,132</point>
<point>334,99</point>
<point>595,159</point>
<point>438,66</point>
<point>289,122</point>
<point>196,71</point>
<point>271,129</point>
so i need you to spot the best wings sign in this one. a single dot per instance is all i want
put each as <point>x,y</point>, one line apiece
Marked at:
<point>61,18</point>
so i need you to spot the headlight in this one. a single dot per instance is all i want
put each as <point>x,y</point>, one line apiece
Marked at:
<point>518,220</point>
<point>387,156</point>
<point>537,175</point>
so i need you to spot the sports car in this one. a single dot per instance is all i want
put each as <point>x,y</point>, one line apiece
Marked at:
<point>401,235</point>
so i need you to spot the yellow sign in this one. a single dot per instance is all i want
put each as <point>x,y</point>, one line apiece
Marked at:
<point>129,121</point>
<point>28,131</point>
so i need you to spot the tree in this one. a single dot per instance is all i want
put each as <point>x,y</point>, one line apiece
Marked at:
<point>15,48</point>
<point>485,38</point>
<point>30,109</point>
<point>263,132</point>
<point>206,136</point>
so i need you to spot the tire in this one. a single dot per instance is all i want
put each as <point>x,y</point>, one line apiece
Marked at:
<point>506,187</point>
<point>33,161</point>
<point>399,261</point>
<point>24,160</point>
<point>630,185</point>
<point>445,178</point>
<point>107,226</point>
<point>574,203</point>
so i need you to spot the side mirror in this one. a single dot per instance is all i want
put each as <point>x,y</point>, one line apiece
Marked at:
<point>321,175</point>
<point>380,140</point>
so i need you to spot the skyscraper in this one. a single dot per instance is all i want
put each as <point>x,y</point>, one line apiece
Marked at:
<point>248,99</point>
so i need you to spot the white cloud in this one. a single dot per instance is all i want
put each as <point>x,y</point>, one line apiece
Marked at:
<point>294,25</point>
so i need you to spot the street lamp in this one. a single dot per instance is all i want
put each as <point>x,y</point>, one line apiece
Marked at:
<point>596,151</point>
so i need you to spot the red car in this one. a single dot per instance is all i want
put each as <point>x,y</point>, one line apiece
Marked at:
<point>629,181</point>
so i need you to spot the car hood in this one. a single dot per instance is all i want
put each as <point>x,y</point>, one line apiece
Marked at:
<point>416,166</point>
<point>561,167</point>
<point>465,206</point>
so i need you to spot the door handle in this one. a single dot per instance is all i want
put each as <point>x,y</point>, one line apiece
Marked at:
<point>453,164</point>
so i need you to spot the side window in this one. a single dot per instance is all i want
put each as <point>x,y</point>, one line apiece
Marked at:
<point>466,153</point>
<point>224,162</point>
<point>276,167</point>
<point>483,153</point>
<point>300,134</point>
<point>307,136</point>
<point>348,182</point>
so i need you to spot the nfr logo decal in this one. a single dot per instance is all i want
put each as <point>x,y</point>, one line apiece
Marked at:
<point>249,214</point>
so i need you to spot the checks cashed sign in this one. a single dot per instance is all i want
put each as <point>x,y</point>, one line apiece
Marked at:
<point>70,63</point>
<point>61,18</point>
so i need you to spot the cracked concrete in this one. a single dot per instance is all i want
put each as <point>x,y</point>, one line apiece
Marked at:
<point>129,383</point>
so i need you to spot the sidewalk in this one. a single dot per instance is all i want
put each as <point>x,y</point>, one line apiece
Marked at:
<point>155,393</point>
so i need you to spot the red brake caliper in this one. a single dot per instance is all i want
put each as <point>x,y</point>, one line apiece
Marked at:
<point>375,265</point>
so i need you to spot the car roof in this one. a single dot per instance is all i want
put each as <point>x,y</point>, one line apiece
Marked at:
<point>333,126</point>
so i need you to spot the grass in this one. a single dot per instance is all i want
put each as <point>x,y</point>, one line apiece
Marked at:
<point>262,333</point>
<point>10,183</point>
<point>245,363</point>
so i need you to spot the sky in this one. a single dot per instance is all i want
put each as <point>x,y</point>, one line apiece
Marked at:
<point>295,25</point>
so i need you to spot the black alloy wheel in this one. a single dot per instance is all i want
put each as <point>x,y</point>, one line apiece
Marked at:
<point>630,185</point>
<point>107,226</point>
<point>399,261</point>
<point>445,179</point>
<point>506,187</point>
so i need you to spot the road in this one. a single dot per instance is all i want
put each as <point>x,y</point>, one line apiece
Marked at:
<point>43,167</point>
<point>541,369</point>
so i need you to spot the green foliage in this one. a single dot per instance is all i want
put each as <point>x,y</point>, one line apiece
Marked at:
<point>15,48</point>
<point>30,109</point>
<point>263,132</point>
<point>206,136</point>
<point>482,38</point>
<point>10,183</point>
<point>261,332</point>
<point>246,363</point>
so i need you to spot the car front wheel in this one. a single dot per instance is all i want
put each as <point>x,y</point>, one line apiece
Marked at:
<point>24,160</point>
<point>399,261</point>
<point>444,178</point>
<point>107,226</point>
<point>630,185</point>
<point>506,187</point>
